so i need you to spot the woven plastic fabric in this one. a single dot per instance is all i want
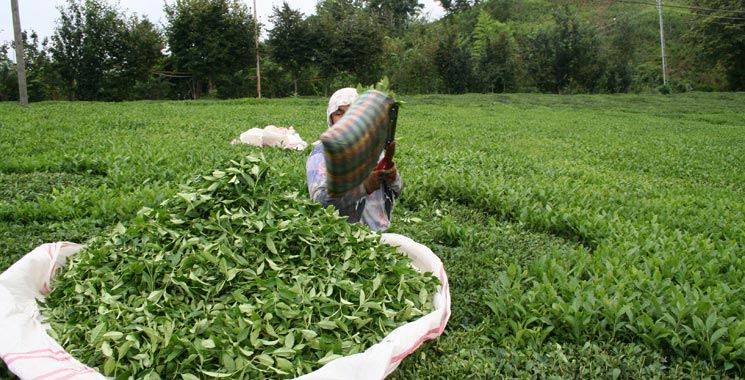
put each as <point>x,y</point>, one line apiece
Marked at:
<point>353,145</point>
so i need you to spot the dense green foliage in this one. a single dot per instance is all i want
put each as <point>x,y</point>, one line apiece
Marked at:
<point>288,42</point>
<point>721,34</point>
<point>236,274</point>
<point>100,54</point>
<point>565,55</point>
<point>510,46</point>
<point>212,41</point>
<point>588,237</point>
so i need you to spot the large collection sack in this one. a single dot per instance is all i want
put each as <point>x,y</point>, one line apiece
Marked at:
<point>30,353</point>
<point>353,146</point>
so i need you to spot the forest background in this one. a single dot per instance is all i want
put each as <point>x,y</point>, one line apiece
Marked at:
<point>208,48</point>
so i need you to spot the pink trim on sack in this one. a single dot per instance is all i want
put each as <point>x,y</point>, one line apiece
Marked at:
<point>435,332</point>
<point>52,251</point>
<point>59,356</point>
<point>59,371</point>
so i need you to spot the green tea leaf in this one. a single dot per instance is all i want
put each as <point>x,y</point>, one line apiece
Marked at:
<point>106,349</point>
<point>271,247</point>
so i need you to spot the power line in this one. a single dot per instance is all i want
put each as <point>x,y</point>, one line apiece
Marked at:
<point>696,8</point>
<point>711,21</point>
<point>681,11</point>
<point>686,7</point>
<point>603,30</point>
<point>724,17</point>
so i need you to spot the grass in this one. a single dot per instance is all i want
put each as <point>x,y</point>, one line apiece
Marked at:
<point>595,237</point>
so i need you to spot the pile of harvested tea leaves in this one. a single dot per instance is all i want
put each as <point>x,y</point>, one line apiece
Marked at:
<point>235,276</point>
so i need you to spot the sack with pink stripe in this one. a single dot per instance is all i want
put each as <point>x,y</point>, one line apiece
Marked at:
<point>31,354</point>
<point>25,347</point>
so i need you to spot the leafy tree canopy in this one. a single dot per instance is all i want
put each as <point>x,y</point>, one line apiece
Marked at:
<point>721,34</point>
<point>290,42</point>
<point>98,53</point>
<point>210,39</point>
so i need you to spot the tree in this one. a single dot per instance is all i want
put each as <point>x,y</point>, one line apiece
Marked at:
<point>720,35</point>
<point>564,56</point>
<point>99,54</point>
<point>496,67</point>
<point>212,40</point>
<point>39,73</point>
<point>454,64</point>
<point>621,50</point>
<point>485,29</point>
<point>455,6</point>
<point>347,41</point>
<point>503,10</point>
<point>409,59</point>
<point>394,15</point>
<point>41,77</point>
<point>8,78</point>
<point>288,42</point>
<point>83,46</point>
<point>493,50</point>
<point>142,50</point>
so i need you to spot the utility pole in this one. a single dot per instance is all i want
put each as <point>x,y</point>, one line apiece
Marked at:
<point>258,65</point>
<point>662,43</point>
<point>20,59</point>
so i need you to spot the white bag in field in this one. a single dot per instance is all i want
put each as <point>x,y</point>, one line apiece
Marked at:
<point>31,354</point>
<point>273,136</point>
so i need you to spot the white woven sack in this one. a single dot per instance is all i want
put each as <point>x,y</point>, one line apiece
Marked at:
<point>25,347</point>
<point>273,136</point>
<point>30,353</point>
<point>253,136</point>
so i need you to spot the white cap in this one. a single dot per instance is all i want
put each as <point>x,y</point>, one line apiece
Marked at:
<point>342,97</point>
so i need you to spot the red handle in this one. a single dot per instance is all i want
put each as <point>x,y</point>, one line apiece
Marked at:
<point>387,161</point>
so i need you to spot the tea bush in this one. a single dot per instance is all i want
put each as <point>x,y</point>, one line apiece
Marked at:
<point>596,237</point>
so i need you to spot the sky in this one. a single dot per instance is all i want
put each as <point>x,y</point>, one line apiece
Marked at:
<point>41,15</point>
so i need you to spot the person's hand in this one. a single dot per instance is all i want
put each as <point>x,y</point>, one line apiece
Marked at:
<point>377,177</point>
<point>389,175</point>
<point>372,182</point>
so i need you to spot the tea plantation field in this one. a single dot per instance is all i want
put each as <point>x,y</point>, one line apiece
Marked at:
<point>585,237</point>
